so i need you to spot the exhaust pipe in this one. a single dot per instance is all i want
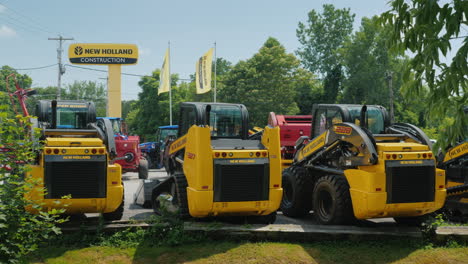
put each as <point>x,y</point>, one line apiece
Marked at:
<point>54,114</point>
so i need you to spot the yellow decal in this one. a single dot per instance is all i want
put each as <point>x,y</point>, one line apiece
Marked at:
<point>411,162</point>
<point>314,145</point>
<point>76,157</point>
<point>242,161</point>
<point>178,144</point>
<point>86,53</point>
<point>72,105</point>
<point>457,151</point>
<point>343,130</point>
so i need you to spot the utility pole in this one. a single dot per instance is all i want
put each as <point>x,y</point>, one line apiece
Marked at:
<point>389,78</point>
<point>61,69</point>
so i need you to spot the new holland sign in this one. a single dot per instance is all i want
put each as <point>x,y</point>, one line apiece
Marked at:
<point>85,53</point>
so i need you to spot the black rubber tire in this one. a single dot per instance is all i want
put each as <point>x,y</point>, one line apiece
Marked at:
<point>331,201</point>
<point>117,214</point>
<point>297,186</point>
<point>143,169</point>
<point>181,195</point>
<point>148,160</point>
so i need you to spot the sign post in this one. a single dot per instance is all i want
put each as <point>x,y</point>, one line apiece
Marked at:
<point>113,55</point>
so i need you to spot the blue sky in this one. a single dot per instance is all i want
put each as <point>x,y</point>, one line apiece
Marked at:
<point>239,28</point>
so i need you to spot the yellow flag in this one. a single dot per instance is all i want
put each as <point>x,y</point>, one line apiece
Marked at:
<point>203,72</point>
<point>164,75</point>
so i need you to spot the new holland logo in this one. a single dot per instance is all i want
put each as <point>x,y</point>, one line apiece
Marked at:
<point>78,50</point>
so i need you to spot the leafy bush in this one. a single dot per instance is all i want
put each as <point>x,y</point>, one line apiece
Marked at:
<point>20,230</point>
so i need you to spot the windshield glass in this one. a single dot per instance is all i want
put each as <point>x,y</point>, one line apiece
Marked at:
<point>374,117</point>
<point>166,132</point>
<point>116,126</point>
<point>71,116</point>
<point>225,121</point>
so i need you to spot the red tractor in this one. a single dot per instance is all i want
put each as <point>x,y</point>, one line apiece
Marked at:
<point>129,153</point>
<point>291,128</point>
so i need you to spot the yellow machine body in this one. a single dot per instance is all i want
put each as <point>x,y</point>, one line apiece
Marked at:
<point>73,151</point>
<point>198,166</point>
<point>368,184</point>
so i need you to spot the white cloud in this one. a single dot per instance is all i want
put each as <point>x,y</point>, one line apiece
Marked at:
<point>6,31</point>
<point>2,8</point>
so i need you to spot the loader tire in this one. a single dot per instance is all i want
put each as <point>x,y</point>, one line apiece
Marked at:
<point>297,185</point>
<point>331,201</point>
<point>143,169</point>
<point>115,215</point>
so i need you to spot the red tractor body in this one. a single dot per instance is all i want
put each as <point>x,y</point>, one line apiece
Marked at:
<point>291,128</point>
<point>129,155</point>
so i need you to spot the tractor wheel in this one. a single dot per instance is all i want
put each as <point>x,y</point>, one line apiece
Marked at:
<point>148,160</point>
<point>143,169</point>
<point>173,199</point>
<point>297,184</point>
<point>332,201</point>
<point>117,214</point>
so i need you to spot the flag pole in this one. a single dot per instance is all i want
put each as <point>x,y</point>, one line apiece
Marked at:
<point>215,73</point>
<point>170,88</point>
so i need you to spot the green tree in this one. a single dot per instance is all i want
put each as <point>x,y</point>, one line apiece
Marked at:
<point>127,107</point>
<point>321,37</point>
<point>428,29</point>
<point>263,83</point>
<point>88,91</point>
<point>152,109</point>
<point>309,91</point>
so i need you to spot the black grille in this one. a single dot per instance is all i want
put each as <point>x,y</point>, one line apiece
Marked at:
<point>410,183</point>
<point>78,179</point>
<point>236,183</point>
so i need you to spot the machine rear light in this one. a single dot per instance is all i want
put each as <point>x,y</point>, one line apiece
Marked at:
<point>94,151</point>
<point>388,156</point>
<point>394,156</point>
<point>429,155</point>
<point>48,151</point>
<point>264,154</point>
<point>257,154</point>
<point>441,186</point>
<point>114,182</point>
<point>56,151</point>
<point>378,189</point>
<point>231,154</point>
<point>86,151</point>
<point>400,156</point>
<point>224,154</point>
<point>275,185</point>
<point>64,151</point>
<point>217,154</point>
<point>424,155</point>
<point>251,154</point>
<point>205,187</point>
<point>101,151</point>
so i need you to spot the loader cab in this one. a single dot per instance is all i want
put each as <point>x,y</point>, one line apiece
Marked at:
<point>226,121</point>
<point>68,114</point>
<point>373,117</point>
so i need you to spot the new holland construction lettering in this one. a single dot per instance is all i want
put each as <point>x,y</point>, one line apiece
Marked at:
<point>84,53</point>
<point>108,51</point>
